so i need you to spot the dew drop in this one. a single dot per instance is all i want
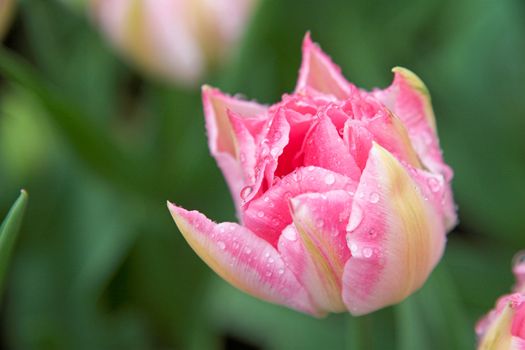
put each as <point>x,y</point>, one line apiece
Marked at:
<point>374,197</point>
<point>434,184</point>
<point>260,214</point>
<point>275,151</point>
<point>266,199</point>
<point>270,260</point>
<point>355,218</point>
<point>221,245</point>
<point>246,191</point>
<point>290,235</point>
<point>353,248</point>
<point>275,222</point>
<point>329,179</point>
<point>281,271</point>
<point>367,252</point>
<point>248,250</point>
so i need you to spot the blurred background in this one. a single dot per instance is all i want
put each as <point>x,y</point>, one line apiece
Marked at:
<point>100,130</point>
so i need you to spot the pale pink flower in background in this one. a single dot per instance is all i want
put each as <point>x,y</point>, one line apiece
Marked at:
<point>503,328</point>
<point>177,40</point>
<point>343,196</point>
<point>7,8</point>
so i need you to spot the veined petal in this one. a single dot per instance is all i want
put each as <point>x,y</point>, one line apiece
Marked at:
<point>500,329</point>
<point>318,72</point>
<point>325,148</point>
<point>314,248</point>
<point>409,99</point>
<point>241,258</point>
<point>394,235</point>
<point>220,135</point>
<point>269,214</point>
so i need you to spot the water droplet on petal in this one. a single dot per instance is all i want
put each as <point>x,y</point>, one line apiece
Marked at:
<point>329,179</point>
<point>434,184</point>
<point>275,151</point>
<point>355,218</point>
<point>281,271</point>
<point>247,250</point>
<point>290,235</point>
<point>246,191</point>
<point>270,260</point>
<point>260,214</point>
<point>367,252</point>
<point>374,197</point>
<point>266,199</point>
<point>353,248</point>
<point>221,245</point>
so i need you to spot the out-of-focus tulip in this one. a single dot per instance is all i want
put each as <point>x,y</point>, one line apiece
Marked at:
<point>7,8</point>
<point>174,39</point>
<point>503,328</point>
<point>343,196</point>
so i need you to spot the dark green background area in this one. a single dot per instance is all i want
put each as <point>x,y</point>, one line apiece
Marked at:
<point>100,148</point>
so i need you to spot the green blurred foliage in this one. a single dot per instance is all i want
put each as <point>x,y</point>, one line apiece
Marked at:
<point>100,148</point>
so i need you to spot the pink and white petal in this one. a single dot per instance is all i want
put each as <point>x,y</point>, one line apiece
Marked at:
<point>314,247</point>
<point>241,258</point>
<point>318,72</point>
<point>409,99</point>
<point>394,235</point>
<point>500,328</point>
<point>269,214</point>
<point>358,140</point>
<point>216,104</point>
<point>436,189</point>
<point>325,148</point>
<point>245,146</point>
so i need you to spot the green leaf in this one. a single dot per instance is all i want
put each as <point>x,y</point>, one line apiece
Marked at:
<point>9,232</point>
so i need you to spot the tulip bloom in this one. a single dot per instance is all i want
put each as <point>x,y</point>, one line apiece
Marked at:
<point>343,197</point>
<point>174,39</point>
<point>504,326</point>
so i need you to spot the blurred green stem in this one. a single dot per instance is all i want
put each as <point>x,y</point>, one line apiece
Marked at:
<point>358,332</point>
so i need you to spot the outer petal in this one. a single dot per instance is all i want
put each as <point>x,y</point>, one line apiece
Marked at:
<point>318,72</point>
<point>325,148</point>
<point>216,104</point>
<point>314,247</point>
<point>500,329</point>
<point>242,259</point>
<point>409,99</point>
<point>269,214</point>
<point>222,138</point>
<point>395,236</point>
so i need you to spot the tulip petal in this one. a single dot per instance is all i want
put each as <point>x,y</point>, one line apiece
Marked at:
<point>216,104</point>
<point>325,148</point>
<point>318,72</point>
<point>500,328</point>
<point>314,248</point>
<point>409,99</point>
<point>395,236</point>
<point>269,214</point>
<point>241,258</point>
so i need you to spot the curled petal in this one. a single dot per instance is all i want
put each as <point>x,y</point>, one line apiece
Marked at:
<point>220,133</point>
<point>241,258</point>
<point>409,99</point>
<point>314,247</point>
<point>269,214</point>
<point>325,148</point>
<point>318,72</point>
<point>395,236</point>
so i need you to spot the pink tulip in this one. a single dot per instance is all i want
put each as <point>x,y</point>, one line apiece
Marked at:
<point>174,39</point>
<point>343,197</point>
<point>504,326</point>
